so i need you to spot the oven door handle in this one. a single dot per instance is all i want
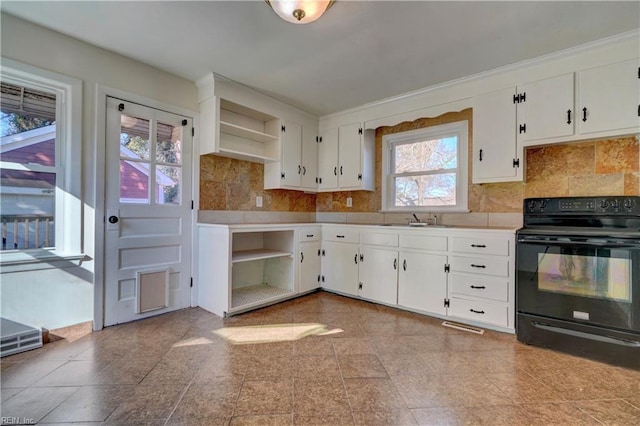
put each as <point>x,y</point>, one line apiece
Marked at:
<point>602,244</point>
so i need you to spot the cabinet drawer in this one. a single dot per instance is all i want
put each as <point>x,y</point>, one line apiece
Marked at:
<point>379,239</point>
<point>480,265</point>
<point>495,246</point>
<point>341,235</point>
<point>487,312</point>
<point>484,287</point>
<point>424,242</point>
<point>308,235</point>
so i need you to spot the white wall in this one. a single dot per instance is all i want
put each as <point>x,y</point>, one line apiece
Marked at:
<point>63,297</point>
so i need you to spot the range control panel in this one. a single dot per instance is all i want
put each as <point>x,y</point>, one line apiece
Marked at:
<point>623,205</point>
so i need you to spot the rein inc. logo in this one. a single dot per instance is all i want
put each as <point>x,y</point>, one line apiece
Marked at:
<point>17,421</point>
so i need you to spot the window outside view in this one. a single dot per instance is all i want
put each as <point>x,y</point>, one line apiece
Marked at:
<point>136,161</point>
<point>424,172</point>
<point>28,173</point>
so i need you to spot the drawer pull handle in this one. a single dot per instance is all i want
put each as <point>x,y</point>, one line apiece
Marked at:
<point>339,236</point>
<point>478,287</point>
<point>478,246</point>
<point>476,312</point>
<point>478,266</point>
<point>309,235</point>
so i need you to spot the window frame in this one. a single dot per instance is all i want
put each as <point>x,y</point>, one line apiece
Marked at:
<point>459,129</point>
<point>68,167</point>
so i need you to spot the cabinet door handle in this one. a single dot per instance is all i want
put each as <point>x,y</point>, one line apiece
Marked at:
<point>301,257</point>
<point>569,116</point>
<point>478,246</point>
<point>478,266</point>
<point>355,259</point>
<point>480,155</point>
<point>335,170</point>
<point>478,287</point>
<point>304,170</point>
<point>299,169</point>
<point>404,265</point>
<point>340,170</point>
<point>395,263</point>
<point>584,114</point>
<point>476,312</point>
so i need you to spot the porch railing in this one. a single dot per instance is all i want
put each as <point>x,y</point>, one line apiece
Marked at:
<point>21,232</point>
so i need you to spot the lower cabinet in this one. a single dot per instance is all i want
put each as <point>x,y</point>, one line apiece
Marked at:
<point>340,267</point>
<point>422,282</point>
<point>308,258</point>
<point>378,275</point>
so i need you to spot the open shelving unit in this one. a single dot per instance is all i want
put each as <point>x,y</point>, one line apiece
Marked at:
<point>248,134</point>
<point>262,267</point>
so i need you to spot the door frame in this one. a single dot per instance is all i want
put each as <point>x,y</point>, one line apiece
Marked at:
<point>97,216</point>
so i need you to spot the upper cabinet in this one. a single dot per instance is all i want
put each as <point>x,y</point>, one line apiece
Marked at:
<point>346,159</point>
<point>496,156</point>
<point>297,166</point>
<point>545,109</point>
<point>609,98</point>
<point>598,102</point>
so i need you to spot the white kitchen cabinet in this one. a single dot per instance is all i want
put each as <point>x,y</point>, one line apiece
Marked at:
<point>297,167</point>
<point>546,109</point>
<point>340,267</point>
<point>378,274</point>
<point>481,279</point>
<point>243,268</point>
<point>422,282</point>
<point>309,251</point>
<point>236,131</point>
<point>346,159</point>
<point>496,153</point>
<point>609,98</point>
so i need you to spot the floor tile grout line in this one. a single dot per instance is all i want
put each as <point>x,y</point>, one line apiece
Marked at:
<point>344,385</point>
<point>175,407</point>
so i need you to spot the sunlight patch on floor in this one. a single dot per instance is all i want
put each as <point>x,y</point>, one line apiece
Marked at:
<point>272,333</point>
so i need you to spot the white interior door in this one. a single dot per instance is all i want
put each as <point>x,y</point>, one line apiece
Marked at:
<point>148,212</point>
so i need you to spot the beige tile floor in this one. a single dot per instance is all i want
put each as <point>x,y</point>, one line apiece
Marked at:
<point>376,366</point>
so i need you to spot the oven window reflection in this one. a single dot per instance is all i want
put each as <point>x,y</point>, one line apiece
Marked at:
<point>587,276</point>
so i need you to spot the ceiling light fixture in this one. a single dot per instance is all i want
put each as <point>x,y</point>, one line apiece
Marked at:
<point>300,11</point>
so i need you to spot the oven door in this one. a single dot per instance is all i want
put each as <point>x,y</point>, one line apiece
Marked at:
<point>594,281</point>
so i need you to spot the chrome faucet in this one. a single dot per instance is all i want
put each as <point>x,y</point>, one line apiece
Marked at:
<point>415,217</point>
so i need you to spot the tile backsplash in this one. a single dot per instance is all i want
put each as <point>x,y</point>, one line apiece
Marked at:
<point>601,167</point>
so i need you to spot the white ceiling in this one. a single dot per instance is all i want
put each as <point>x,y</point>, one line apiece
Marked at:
<point>358,52</point>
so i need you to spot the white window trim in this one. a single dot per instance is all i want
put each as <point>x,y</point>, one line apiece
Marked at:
<point>459,129</point>
<point>68,91</point>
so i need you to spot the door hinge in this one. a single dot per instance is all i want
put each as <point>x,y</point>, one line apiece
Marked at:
<point>191,282</point>
<point>359,286</point>
<point>193,132</point>
<point>121,107</point>
<point>360,131</point>
<point>516,162</point>
<point>447,268</point>
<point>638,72</point>
<point>359,176</point>
<point>282,175</point>
<point>191,204</point>
<point>361,257</point>
<point>446,303</point>
<point>184,122</point>
<point>523,128</point>
<point>520,98</point>
<point>283,129</point>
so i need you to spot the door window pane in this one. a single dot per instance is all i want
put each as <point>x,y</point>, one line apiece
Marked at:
<point>168,185</point>
<point>134,182</point>
<point>134,137</point>
<point>169,144</point>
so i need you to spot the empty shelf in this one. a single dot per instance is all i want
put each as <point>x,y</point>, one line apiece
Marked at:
<point>249,255</point>
<point>256,294</point>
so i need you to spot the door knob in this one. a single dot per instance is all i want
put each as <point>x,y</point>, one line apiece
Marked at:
<point>113,219</point>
